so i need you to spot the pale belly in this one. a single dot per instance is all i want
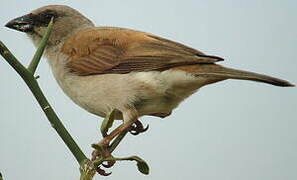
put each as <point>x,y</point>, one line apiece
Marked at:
<point>148,92</point>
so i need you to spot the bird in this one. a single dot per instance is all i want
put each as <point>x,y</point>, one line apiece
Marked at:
<point>132,72</point>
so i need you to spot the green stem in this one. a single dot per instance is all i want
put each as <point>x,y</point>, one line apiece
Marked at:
<point>1,178</point>
<point>44,104</point>
<point>87,170</point>
<point>37,56</point>
<point>28,76</point>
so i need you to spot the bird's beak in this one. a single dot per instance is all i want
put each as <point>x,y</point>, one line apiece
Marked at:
<point>23,23</point>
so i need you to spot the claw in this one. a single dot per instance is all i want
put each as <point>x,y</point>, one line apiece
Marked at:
<point>138,128</point>
<point>102,172</point>
<point>108,164</point>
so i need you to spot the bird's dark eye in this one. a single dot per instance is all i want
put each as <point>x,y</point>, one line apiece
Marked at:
<point>48,14</point>
<point>43,18</point>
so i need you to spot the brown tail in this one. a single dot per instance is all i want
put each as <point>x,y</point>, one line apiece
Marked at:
<point>218,71</point>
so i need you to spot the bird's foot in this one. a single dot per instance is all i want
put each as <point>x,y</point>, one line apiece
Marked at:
<point>138,128</point>
<point>101,156</point>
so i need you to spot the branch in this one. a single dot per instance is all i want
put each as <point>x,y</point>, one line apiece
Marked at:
<point>28,76</point>
<point>37,56</point>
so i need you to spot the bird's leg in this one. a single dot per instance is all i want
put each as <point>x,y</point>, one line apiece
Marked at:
<point>101,154</point>
<point>117,141</point>
<point>121,129</point>
<point>106,124</point>
<point>103,148</point>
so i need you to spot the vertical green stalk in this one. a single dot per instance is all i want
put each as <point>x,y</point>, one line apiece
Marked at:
<point>38,54</point>
<point>28,76</point>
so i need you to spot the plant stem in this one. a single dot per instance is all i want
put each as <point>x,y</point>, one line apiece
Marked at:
<point>44,104</point>
<point>28,76</point>
<point>37,56</point>
<point>87,170</point>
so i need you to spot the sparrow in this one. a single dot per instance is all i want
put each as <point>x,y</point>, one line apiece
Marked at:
<point>133,72</point>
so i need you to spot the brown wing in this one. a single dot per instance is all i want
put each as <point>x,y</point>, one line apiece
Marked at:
<point>117,50</point>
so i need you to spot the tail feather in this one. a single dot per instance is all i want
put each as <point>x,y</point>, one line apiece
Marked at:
<point>218,71</point>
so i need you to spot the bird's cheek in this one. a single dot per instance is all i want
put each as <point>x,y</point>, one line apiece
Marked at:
<point>39,30</point>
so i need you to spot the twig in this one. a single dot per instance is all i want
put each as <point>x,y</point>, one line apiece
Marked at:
<point>37,56</point>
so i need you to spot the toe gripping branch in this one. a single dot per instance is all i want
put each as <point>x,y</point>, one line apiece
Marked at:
<point>101,156</point>
<point>138,128</point>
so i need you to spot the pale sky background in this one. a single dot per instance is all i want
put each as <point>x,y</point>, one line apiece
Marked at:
<point>233,130</point>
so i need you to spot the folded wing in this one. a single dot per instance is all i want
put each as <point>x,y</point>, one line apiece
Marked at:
<point>117,50</point>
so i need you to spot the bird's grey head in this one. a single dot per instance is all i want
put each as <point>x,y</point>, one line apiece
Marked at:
<point>66,21</point>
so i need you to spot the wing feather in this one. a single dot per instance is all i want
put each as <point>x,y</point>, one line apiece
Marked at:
<point>118,50</point>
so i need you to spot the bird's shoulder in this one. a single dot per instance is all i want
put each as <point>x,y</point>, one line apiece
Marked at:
<point>104,36</point>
